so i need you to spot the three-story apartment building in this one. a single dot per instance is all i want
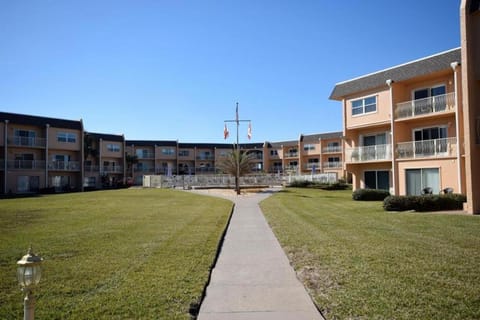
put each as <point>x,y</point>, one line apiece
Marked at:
<point>40,153</point>
<point>403,127</point>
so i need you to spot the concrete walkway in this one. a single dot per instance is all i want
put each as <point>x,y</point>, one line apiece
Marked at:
<point>253,278</point>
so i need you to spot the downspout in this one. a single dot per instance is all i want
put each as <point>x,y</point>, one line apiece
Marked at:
<point>5,156</point>
<point>124,163</point>
<point>82,158</point>
<point>389,83</point>
<point>47,126</point>
<point>454,66</point>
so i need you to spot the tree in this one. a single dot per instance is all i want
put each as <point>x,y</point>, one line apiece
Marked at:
<point>88,149</point>
<point>131,160</point>
<point>235,159</point>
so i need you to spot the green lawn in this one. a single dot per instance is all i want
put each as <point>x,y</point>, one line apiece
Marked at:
<point>124,254</point>
<point>360,262</point>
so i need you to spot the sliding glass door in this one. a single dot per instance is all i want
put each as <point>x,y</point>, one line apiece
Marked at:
<point>418,179</point>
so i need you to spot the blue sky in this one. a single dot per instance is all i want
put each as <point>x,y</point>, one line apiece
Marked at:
<point>173,70</point>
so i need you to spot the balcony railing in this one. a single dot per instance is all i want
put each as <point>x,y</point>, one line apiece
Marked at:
<point>64,165</point>
<point>310,166</point>
<point>146,155</point>
<point>369,153</point>
<point>445,147</point>
<point>112,169</point>
<point>332,149</point>
<point>91,168</point>
<point>27,141</point>
<point>205,157</point>
<point>440,103</point>
<point>26,164</point>
<point>332,164</point>
<point>291,154</point>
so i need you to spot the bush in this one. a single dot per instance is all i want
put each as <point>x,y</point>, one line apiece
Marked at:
<point>425,202</point>
<point>339,185</point>
<point>370,194</point>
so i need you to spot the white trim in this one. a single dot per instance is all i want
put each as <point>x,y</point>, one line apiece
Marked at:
<point>398,66</point>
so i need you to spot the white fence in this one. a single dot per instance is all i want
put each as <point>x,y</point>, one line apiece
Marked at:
<point>227,181</point>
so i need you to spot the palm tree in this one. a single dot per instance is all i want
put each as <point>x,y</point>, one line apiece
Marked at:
<point>234,160</point>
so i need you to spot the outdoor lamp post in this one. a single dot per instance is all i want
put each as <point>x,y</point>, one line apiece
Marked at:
<point>28,274</point>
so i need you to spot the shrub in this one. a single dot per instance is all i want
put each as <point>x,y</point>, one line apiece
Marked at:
<point>370,194</point>
<point>424,202</point>
<point>300,184</point>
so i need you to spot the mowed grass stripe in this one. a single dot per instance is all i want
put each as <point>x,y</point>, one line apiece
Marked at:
<point>361,262</point>
<point>139,254</point>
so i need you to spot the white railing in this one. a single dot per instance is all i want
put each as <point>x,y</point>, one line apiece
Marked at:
<point>445,147</point>
<point>332,164</point>
<point>26,164</point>
<point>310,166</point>
<point>369,153</point>
<point>440,103</point>
<point>27,141</point>
<point>64,165</point>
<point>332,149</point>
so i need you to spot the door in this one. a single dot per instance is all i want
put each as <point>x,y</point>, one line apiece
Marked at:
<point>418,179</point>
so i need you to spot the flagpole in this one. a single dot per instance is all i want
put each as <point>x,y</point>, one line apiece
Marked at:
<point>237,121</point>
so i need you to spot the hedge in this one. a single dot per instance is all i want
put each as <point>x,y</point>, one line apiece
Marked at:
<point>370,194</point>
<point>424,203</point>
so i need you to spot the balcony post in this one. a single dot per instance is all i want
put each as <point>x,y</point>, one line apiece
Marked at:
<point>5,155</point>
<point>47,126</point>
<point>454,66</point>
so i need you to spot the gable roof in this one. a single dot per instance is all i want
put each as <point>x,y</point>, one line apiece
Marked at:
<point>25,119</point>
<point>409,70</point>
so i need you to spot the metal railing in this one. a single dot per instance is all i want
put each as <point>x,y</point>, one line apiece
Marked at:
<point>27,141</point>
<point>205,157</point>
<point>91,168</point>
<point>445,147</point>
<point>291,154</point>
<point>369,153</point>
<point>146,155</point>
<point>440,103</point>
<point>64,165</point>
<point>26,164</point>
<point>310,166</point>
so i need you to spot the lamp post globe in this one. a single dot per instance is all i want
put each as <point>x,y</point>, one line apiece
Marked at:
<point>29,272</point>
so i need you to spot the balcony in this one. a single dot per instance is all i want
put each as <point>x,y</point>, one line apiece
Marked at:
<point>26,164</point>
<point>445,147</point>
<point>27,142</point>
<point>336,149</point>
<point>422,107</point>
<point>64,165</point>
<point>332,165</point>
<point>380,152</point>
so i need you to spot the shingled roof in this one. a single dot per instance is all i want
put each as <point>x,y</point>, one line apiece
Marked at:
<point>424,66</point>
<point>25,119</point>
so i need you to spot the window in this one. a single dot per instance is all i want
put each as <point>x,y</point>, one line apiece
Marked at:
<point>61,183</point>
<point>113,147</point>
<point>418,179</point>
<point>89,182</point>
<point>24,161</point>
<point>308,147</point>
<point>274,152</point>
<point>66,137</point>
<point>365,105</point>
<point>430,141</point>
<point>377,180</point>
<point>24,137</point>
<point>28,183</point>
<point>183,153</point>
<point>168,151</point>
<point>430,99</point>
<point>143,154</point>
<point>313,160</point>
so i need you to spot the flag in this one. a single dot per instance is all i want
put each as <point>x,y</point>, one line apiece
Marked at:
<point>225,132</point>
<point>249,132</point>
